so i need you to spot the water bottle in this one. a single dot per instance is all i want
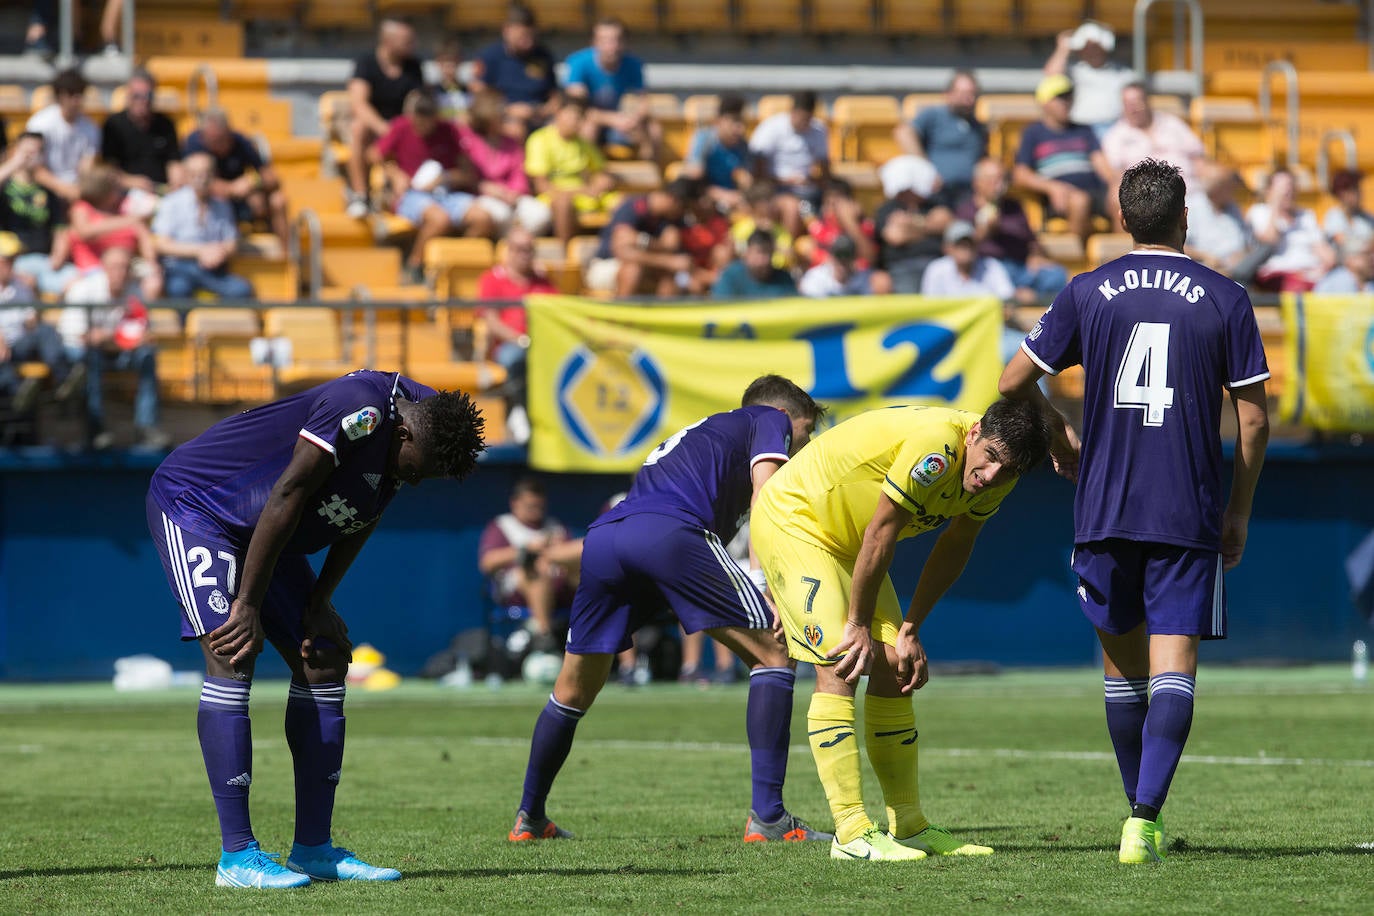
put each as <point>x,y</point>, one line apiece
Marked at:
<point>1359,662</point>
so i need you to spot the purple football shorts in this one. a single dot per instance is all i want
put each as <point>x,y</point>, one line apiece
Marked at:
<point>1174,590</point>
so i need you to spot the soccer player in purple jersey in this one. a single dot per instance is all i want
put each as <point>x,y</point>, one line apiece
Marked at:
<point>665,543</point>
<point>233,513</point>
<point>1159,336</point>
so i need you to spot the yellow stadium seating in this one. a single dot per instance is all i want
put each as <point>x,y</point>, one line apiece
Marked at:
<point>202,36</point>
<point>337,14</point>
<point>863,178</point>
<point>915,101</point>
<point>317,350</point>
<point>561,15</point>
<point>351,268</point>
<point>686,16</point>
<point>475,17</point>
<point>1107,246</point>
<point>224,369</point>
<point>912,17</point>
<point>1006,115</point>
<point>636,176</point>
<point>175,355</point>
<point>863,125</point>
<point>841,17</point>
<point>242,74</point>
<point>273,279</point>
<point>1065,248</point>
<point>770,105</point>
<point>996,18</point>
<point>1232,130</point>
<point>1050,17</point>
<point>638,15</point>
<point>1253,54</point>
<point>580,251</point>
<point>769,16</point>
<point>667,110</point>
<point>454,266</point>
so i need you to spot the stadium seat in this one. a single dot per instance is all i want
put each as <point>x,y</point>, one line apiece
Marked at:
<point>1232,130</point>
<point>992,18</point>
<point>700,110</point>
<point>453,266</point>
<point>636,176</point>
<point>1047,18</point>
<point>475,17</point>
<point>667,110</point>
<point>842,17</point>
<point>561,15</point>
<point>245,74</point>
<point>639,16</point>
<point>769,16</point>
<point>580,251</point>
<point>355,15</point>
<point>325,196</point>
<point>770,105</point>
<point>351,268</point>
<point>1252,54</point>
<point>863,178</point>
<point>317,350</point>
<point>913,102</point>
<point>863,124</point>
<point>273,279</point>
<point>175,355</point>
<point>409,7</point>
<point>1006,115</point>
<point>681,17</point>
<point>224,371</point>
<point>911,17</point>
<point>203,36</point>
<point>1108,246</point>
<point>1065,248</point>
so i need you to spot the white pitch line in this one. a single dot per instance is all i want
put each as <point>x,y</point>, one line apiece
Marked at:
<point>1002,752</point>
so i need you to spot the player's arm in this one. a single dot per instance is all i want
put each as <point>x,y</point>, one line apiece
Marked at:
<point>321,620</point>
<point>870,567</point>
<point>943,568</point>
<point>241,636</point>
<point>1019,382</point>
<point>1252,437</point>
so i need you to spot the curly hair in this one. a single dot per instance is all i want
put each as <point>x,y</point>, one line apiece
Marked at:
<point>450,428</point>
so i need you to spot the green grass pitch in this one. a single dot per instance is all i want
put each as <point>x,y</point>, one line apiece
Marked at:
<point>106,809</point>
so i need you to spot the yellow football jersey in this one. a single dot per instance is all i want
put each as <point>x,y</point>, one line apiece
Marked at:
<point>828,492</point>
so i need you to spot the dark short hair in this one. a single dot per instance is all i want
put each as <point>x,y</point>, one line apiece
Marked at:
<point>761,238</point>
<point>527,484</point>
<point>1021,430</point>
<point>32,135</point>
<point>1152,199</point>
<point>423,104</point>
<point>839,186</point>
<point>69,82</point>
<point>565,100</point>
<point>962,73</point>
<point>609,22</point>
<point>804,100</point>
<point>732,104</point>
<point>760,191</point>
<point>449,428</point>
<point>685,190</point>
<point>776,391</point>
<point>1345,180</point>
<point>519,14</point>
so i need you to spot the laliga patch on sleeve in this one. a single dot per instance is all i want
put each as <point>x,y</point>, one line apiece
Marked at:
<point>930,469</point>
<point>361,423</point>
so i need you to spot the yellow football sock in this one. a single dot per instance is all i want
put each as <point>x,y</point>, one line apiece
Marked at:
<point>890,737</point>
<point>830,728</point>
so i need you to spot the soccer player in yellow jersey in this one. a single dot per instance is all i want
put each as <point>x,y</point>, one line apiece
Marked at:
<point>824,528</point>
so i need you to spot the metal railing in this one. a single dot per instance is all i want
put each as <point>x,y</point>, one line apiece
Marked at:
<point>1352,158</point>
<point>1141,49</point>
<point>66,50</point>
<point>1266,102</point>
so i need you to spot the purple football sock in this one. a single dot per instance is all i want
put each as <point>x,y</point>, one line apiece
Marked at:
<point>1166,731</point>
<point>1127,703</point>
<point>769,725</point>
<point>549,748</point>
<point>226,743</point>
<point>315,734</point>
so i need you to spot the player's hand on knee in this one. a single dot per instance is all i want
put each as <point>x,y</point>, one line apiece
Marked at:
<point>913,671</point>
<point>241,636</point>
<point>325,631</point>
<point>857,651</point>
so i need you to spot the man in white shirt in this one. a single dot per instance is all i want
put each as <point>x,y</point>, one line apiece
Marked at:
<point>1097,79</point>
<point>71,141</point>
<point>793,149</point>
<point>839,275</point>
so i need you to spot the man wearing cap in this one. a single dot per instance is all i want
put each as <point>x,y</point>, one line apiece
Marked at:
<point>838,275</point>
<point>1099,79</point>
<point>1062,160</point>
<point>910,222</point>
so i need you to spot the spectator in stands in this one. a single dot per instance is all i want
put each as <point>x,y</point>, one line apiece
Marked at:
<point>507,325</point>
<point>962,271</point>
<point>840,275</point>
<point>1347,218</point>
<point>71,141</point>
<point>641,251</point>
<point>451,92</point>
<point>1143,133</point>
<point>761,211</point>
<point>949,135</point>
<point>612,82</point>
<point>1003,232</point>
<point>382,80</point>
<point>521,69</point>
<point>430,178</point>
<point>113,337</point>
<point>100,222</point>
<point>910,223</point>
<point>1301,255</point>
<point>706,238</point>
<point>1062,161</point>
<point>754,275</point>
<point>792,148</point>
<point>142,143</point>
<point>196,235</point>
<point>1355,274</point>
<point>24,338</point>
<point>568,173</point>
<point>42,23</point>
<point>841,214</point>
<point>1097,78</point>
<point>27,209</point>
<point>720,156</point>
<point>499,161</point>
<point>1218,235</point>
<point>530,560</point>
<point>242,175</point>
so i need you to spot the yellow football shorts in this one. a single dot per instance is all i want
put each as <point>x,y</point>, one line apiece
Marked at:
<point>811,588</point>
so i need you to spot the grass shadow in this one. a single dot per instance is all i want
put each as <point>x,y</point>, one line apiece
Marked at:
<point>79,870</point>
<point>588,871</point>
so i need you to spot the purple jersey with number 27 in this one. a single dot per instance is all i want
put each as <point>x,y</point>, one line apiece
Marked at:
<point>701,474</point>
<point>217,484</point>
<point>1159,336</point>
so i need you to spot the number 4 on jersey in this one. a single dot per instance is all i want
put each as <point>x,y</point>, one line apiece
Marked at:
<point>1147,357</point>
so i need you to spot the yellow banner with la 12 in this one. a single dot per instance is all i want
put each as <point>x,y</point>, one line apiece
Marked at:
<point>1328,362</point>
<point>609,381</point>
